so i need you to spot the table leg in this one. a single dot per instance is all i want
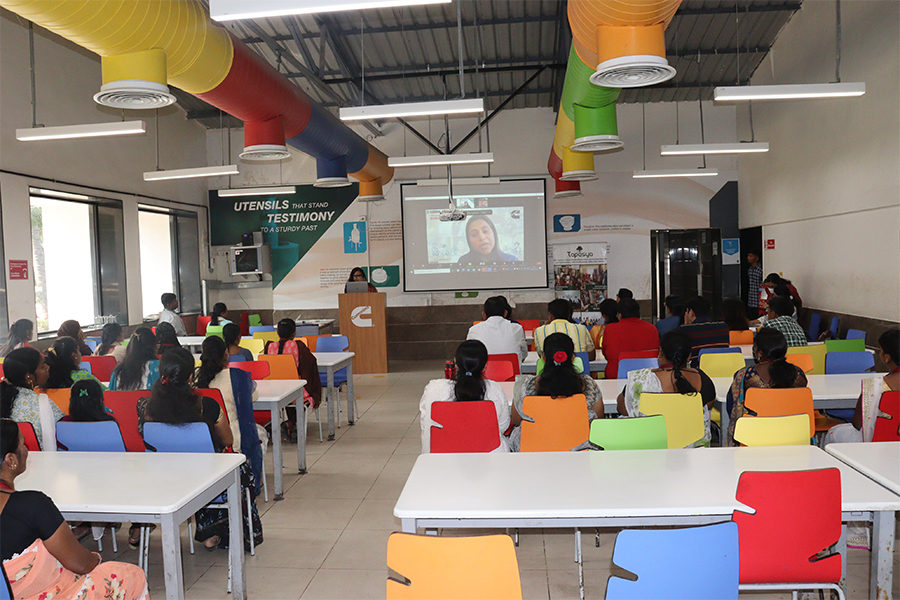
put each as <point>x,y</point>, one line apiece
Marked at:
<point>277,460</point>
<point>882,555</point>
<point>724,422</point>
<point>301,435</point>
<point>331,401</point>
<point>236,538</point>
<point>408,525</point>
<point>351,396</point>
<point>171,547</point>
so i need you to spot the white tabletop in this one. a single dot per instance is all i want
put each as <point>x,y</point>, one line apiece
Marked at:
<point>598,364</point>
<point>824,387</point>
<point>191,340</point>
<point>331,359</point>
<point>319,322</point>
<point>277,389</point>
<point>879,461</point>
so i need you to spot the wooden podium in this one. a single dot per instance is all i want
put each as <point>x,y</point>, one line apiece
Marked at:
<point>362,321</point>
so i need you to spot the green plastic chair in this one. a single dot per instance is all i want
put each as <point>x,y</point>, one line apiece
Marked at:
<point>576,362</point>
<point>254,320</point>
<point>846,345</point>
<point>214,330</point>
<point>639,433</point>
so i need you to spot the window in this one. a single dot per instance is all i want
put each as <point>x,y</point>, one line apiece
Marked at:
<point>79,259</point>
<point>170,258</point>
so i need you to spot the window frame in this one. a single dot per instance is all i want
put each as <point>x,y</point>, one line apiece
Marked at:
<point>174,236</point>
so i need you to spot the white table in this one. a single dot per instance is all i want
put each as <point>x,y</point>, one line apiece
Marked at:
<point>529,365</point>
<point>631,488</point>
<point>328,363</point>
<point>161,488</point>
<point>192,342</point>
<point>273,395</point>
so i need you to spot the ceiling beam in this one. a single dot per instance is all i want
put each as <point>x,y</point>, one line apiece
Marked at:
<point>729,10</point>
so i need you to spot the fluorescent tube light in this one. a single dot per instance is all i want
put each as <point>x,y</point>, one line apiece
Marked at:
<point>230,10</point>
<point>459,181</point>
<point>257,191</point>
<point>788,92</point>
<point>676,173</point>
<point>195,172</point>
<point>66,132</point>
<point>435,160</point>
<point>412,109</point>
<point>58,194</point>
<point>732,148</point>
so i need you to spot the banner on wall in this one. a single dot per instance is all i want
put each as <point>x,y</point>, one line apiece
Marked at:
<point>580,274</point>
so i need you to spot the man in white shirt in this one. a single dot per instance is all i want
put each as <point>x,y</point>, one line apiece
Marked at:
<point>168,314</point>
<point>497,334</point>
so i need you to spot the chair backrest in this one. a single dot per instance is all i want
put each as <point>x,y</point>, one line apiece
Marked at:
<point>722,365</point>
<point>102,436</point>
<point>684,416</point>
<point>101,366</point>
<point>585,362</point>
<point>188,437</point>
<point>261,328</point>
<point>848,362</point>
<point>804,361</point>
<point>634,364</point>
<point>740,338</point>
<point>835,323</point>
<point>258,369</point>
<point>639,433</point>
<point>576,364</point>
<point>773,402</point>
<point>212,330</point>
<point>59,397</point>
<point>6,592</point>
<point>1,370</point>
<point>332,343</point>
<point>465,427</point>
<point>254,320</point>
<point>254,345</point>
<point>815,321</point>
<point>28,432</point>
<point>310,341</point>
<point>856,334</point>
<point>266,336</point>
<point>124,407</point>
<point>202,323</point>
<point>857,345</point>
<point>800,534</point>
<point>92,344</point>
<point>639,354</point>
<point>559,425</point>
<point>887,428</point>
<point>790,430</point>
<point>445,568</point>
<point>497,370</point>
<point>817,352</point>
<point>86,366</point>
<point>281,366</point>
<point>512,359</point>
<point>217,396</point>
<point>529,324</point>
<point>729,350</point>
<point>695,562</point>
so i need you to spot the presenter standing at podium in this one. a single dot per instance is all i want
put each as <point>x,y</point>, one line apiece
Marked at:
<point>358,275</point>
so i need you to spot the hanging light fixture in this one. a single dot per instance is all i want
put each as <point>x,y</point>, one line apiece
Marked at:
<point>67,132</point>
<point>160,174</point>
<point>232,10</point>
<point>412,109</point>
<point>645,174</point>
<point>257,191</point>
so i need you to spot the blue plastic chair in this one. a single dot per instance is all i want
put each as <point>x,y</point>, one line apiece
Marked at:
<point>719,350</point>
<point>633,364</point>
<point>700,563</point>
<point>835,323</point>
<point>102,436</point>
<point>5,589</point>
<point>815,321</point>
<point>333,343</point>
<point>236,358</point>
<point>261,328</point>
<point>91,343</point>
<point>837,363</point>
<point>585,362</point>
<point>85,366</point>
<point>856,334</point>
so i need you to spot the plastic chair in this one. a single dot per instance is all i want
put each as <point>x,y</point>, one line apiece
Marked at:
<point>261,329</point>
<point>585,362</point>
<point>512,359</point>
<point>815,321</point>
<point>202,323</point>
<point>634,364</point>
<point>835,324</point>
<point>212,330</point>
<point>576,364</point>
<point>258,369</point>
<point>446,568</point>
<point>773,402</point>
<point>310,341</point>
<point>791,430</point>
<point>92,344</point>
<point>684,416</point>
<point>559,424</point>
<point>6,592</point>
<point>857,345</point>
<point>499,371</point>
<point>254,320</point>
<point>529,324</point>
<point>856,334</point>
<point>804,361</point>
<point>59,397</point>
<point>100,436</point>
<point>281,366</point>
<point>740,338</point>
<point>817,352</point>
<point>336,343</point>
<point>722,365</point>
<point>245,323</point>
<point>28,432</point>
<point>700,563</point>
<point>254,345</point>
<point>101,366</point>
<point>797,515</point>
<point>464,427</point>
<point>124,407</point>
<point>848,362</point>
<point>730,350</point>
<point>266,336</point>
<point>887,424</point>
<point>1,370</point>
<point>639,433</point>
<point>86,366</point>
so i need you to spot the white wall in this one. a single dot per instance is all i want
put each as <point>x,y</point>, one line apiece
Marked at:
<point>828,189</point>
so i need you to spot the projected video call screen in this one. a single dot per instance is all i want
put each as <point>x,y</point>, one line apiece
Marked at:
<point>500,243</point>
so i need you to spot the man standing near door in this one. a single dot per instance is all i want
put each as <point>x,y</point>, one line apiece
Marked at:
<point>755,279</point>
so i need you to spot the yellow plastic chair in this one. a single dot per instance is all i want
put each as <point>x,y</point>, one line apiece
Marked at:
<point>254,345</point>
<point>789,430</point>
<point>281,366</point>
<point>452,568</point>
<point>804,361</point>
<point>266,336</point>
<point>740,338</point>
<point>684,416</point>
<point>559,425</point>
<point>725,364</point>
<point>817,352</point>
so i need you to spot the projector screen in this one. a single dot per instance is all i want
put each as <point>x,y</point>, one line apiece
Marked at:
<point>501,244</point>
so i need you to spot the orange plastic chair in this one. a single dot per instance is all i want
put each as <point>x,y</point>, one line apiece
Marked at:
<point>772,402</point>
<point>59,396</point>
<point>804,361</point>
<point>101,366</point>
<point>31,441</point>
<point>310,342</point>
<point>281,366</point>
<point>124,407</point>
<point>258,369</point>
<point>559,424</point>
<point>452,568</point>
<point>512,359</point>
<point>499,371</point>
<point>887,428</point>
<point>464,427</point>
<point>740,338</point>
<point>202,323</point>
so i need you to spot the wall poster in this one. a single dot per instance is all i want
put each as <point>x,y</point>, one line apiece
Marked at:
<point>580,275</point>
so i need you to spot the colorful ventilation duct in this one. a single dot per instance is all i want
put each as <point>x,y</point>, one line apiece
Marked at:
<point>145,45</point>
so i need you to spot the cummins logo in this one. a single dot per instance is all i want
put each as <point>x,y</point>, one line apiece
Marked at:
<point>357,318</point>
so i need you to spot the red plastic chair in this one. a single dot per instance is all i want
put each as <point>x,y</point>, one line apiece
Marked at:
<point>101,366</point>
<point>530,324</point>
<point>202,322</point>
<point>499,371</point>
<point>245,324</point>
<point>798,514</point>
<point>512,359</point>
<point>258,369</point>
<point>888,429</point>
<point>1,370</point>
<point>124,407</point>
<point>31,441</point>
<point>466,427</point>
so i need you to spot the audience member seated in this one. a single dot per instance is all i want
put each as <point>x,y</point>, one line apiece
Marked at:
<point>173,401</point>
<point>560,321</point>
<point>41,556</point>
<point>168,314</point>
<point>609,311</point>
<point>73,330</point>
<point>770,371</point>
<point>703,331</point>
<point>672,377</point>
<point>468,386</point>
<point>558,379</point>
<point>64,358</point>
<point>86,403</point>
<point>630,334</point>
<point>24,370</point>
<point>507,308</point>
<point>307,368</point>
<point>778,316</point>
<point>357,274</point>
<point>139,370</point>
<point>624,294</point>
<point>231,334</point>
<point>19,335</point>
<point>734,314</point>
<point>166,338</point>
<point>862,427</point>
<point>111,342</point>
<point>219,314</point>
<point>675,318</point>
<point>497,334</point>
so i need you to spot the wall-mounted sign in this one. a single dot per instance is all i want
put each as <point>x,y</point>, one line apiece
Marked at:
<point>566,223</point>
<point>731,251</point>
<point>18,269</point>
<point>770,244</point>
